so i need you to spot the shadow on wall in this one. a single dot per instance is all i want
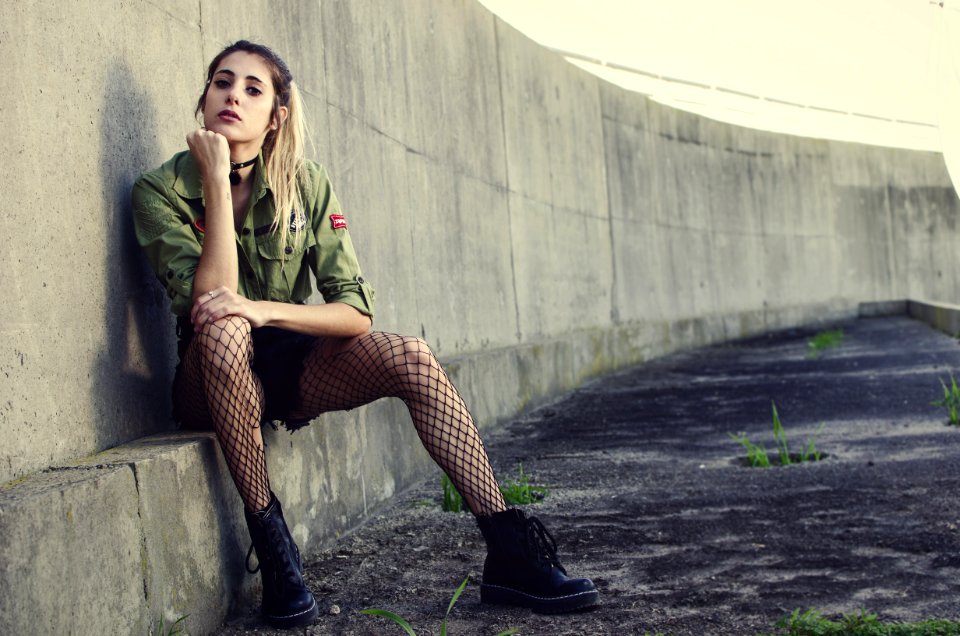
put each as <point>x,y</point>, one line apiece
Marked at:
<point>132,374</point>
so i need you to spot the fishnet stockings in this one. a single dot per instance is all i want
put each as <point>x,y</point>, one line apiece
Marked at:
<point>217,386</point>
<point>344,374</point>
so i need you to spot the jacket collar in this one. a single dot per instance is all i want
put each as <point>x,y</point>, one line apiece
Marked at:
<point>188,185</point>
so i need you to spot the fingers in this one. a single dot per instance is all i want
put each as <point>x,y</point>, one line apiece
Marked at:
<point>211,306</point>
<point>220,303</point>
<point>211,151</point>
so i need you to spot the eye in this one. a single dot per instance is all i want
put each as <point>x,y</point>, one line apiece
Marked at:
<point>253,90</point>
<point>221,83</point>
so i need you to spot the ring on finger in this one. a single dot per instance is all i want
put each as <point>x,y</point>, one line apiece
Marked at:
<point>212,295</point>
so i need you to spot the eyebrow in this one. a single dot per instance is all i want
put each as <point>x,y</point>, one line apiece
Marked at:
<point>232,74</point>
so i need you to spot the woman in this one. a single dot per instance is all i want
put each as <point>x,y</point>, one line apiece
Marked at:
<point>232,228</point>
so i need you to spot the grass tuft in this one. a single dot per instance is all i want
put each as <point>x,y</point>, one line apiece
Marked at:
<point>859,623</point>
<point>405,624</point>
<point>757,455</point>
<point>516,492</point>
<point>519,492</point>
<point>823,340</point>
<point>950,401</point>
<point>176,629</point>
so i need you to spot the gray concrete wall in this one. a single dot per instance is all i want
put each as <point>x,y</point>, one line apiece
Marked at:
<point>535,224</point>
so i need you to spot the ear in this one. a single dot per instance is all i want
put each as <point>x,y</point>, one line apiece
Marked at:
<point>283,111</point>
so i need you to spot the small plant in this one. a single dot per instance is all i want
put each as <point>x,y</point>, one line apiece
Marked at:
<point>452,501</point>
<point>176,629</point>
<point>781,438</point>
<point>405,624</point>
<point>519,492</point>
<point>951,400</point>
<point>859,623</point>
<point>516,492</point>
<point>822,341</point>
<point>757,455</point>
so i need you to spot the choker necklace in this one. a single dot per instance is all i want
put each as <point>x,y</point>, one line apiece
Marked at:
<point>234,167</point>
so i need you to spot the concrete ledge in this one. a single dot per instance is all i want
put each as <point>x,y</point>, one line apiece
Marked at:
<point>154,528</point>
<point>882,308</point>
<point>942,316</point>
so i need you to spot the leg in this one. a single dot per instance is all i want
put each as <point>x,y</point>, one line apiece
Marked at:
<point>343,374</point>
<point>217,387</point>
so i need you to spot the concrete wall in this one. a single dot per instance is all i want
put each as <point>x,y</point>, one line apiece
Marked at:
<point>536,225</point>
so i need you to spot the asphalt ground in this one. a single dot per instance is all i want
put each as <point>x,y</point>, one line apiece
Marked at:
<point>651,498</point>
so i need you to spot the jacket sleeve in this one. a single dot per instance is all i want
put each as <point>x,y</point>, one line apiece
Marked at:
<point>164,232</point>
<point>333,259</point>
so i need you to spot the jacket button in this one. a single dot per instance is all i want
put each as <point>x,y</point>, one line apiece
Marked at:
<point>360,280</point>
<point>246,231</point>
<point>169,273</point>
<point>288,250</point>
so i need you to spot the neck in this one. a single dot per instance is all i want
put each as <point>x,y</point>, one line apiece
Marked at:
<point>239,170</point>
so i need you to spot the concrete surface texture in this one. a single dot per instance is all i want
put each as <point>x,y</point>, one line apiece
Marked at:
<point>650,497</point>
<point>537,226</point>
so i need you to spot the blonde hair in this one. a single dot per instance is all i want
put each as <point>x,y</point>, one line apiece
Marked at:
<point>283,147</point>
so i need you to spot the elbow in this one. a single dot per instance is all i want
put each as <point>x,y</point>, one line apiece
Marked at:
<point>363,324</point>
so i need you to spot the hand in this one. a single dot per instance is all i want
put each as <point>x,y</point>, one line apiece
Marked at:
<point>211,152</point>
<point>221,302</point>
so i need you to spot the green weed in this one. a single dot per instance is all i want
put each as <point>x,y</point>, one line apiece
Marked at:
<point>757,455</point>
<point>951,400</point>
<point>859,623</point>
<point>519,492</point>
<point>516,492</point>
<point>405,624</point>
<point>452,501</point>
<point>822,341</point>
<point>176,629</point>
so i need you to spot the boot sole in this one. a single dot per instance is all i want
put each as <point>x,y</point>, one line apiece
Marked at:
<point>305,617</point>
<point>497,595</point>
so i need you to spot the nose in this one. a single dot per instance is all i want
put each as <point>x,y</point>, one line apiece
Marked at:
<point>233,96</point>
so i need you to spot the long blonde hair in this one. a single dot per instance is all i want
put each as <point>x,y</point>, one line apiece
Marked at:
<point>283,148</point>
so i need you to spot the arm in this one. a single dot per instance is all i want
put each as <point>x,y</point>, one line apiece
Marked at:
<point>218,261</point>
<point>348,310</point>
<point>331,319</point>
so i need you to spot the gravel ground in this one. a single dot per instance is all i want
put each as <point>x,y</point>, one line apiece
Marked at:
<point>650,497</point>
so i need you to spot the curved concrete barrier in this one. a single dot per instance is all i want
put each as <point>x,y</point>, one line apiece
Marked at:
<point>535,224</point>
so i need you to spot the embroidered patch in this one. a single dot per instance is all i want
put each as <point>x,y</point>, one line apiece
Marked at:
<point>338,221</point>
<point>201,227</point>
<point>297,221</point>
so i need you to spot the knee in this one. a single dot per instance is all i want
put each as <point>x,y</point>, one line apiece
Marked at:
<point>417,354</point>
<point>226,341</point>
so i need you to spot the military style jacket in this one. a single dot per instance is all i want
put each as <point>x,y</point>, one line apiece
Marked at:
<point>168,213</point>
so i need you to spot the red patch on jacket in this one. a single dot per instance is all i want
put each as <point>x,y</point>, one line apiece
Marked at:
<point>201,227</point>
<point>338,221</point>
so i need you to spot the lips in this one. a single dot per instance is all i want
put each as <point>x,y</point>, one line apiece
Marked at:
<point>228,116</point>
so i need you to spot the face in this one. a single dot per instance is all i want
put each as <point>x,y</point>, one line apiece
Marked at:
<point>239,103</point>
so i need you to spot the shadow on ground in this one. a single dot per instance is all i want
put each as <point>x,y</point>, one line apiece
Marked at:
<point>648,498</point>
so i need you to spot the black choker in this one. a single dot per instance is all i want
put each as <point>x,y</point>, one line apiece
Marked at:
<point>234,167</point>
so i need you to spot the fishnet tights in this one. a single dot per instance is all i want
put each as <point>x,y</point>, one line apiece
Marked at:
<point>344,374</point>
<point>217,386</point>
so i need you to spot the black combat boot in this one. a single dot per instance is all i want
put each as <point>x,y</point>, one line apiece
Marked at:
<point>522,567</point>
<point>286,600</point>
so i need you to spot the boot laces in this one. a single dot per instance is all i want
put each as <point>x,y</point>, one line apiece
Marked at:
<point>542,544</point>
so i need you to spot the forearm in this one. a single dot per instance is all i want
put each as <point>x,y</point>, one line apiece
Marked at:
<point>332,319</point>
<point>218,261</point>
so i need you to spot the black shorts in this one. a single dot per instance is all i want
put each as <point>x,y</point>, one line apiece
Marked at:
<point>278,356</point>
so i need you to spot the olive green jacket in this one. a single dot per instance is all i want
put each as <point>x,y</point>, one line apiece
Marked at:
<point>168,214</point>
